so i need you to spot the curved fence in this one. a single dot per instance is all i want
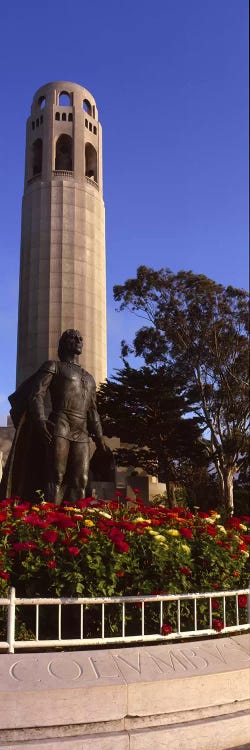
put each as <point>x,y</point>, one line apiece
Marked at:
<point>38,623</point>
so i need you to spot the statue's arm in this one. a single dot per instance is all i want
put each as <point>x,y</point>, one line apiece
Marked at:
<point>36,400</point>
<point>94,422</point>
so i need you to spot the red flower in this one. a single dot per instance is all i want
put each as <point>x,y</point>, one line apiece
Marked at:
<point>50,536</point>
<point>166,629</point>
<point>187,533</point>
<point>84,533</point>
<point>217,624</point>
<point>120,573</point>
<point>245,518</point>
<point>33,520</point>
<point>211,531</point>
<point>127,525</point>
<point>236,573</point>
<point>46,551</point>
<point>234,523</point>
<point>116,535</point>
<point>74,551</point>
<point>51,564</point>
<point>21,508</point>
<point>215,604</point>
<point>121,546</point>
<point>215,585</point>
<point>64,522</point>
<point>246,538</point>
<point>3,516</point>
<point>19,546</point>
<point>242,601</point>
<point>185,571</point>
<point>4,575</point>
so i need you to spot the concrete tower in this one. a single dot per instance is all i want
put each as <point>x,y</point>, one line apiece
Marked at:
<point>62,268</point>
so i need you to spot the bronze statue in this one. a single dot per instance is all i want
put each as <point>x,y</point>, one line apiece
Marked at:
<point>53,453</point>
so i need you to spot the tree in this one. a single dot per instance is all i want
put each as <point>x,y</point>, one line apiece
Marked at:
<point>200,328</point>
<point>145,408</point>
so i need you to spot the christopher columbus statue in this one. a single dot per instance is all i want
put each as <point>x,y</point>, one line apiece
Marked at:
<point>52,455</point>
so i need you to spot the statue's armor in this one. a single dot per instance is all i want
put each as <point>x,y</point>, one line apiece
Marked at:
<point>73,398</point>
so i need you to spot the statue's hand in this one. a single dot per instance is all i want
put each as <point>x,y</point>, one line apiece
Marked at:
<point>102,445</point>
<point>44,433</point>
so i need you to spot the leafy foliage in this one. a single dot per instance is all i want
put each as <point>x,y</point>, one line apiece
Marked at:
<point>200,328</point>
<point>118,549</point>
<point>145,409</point>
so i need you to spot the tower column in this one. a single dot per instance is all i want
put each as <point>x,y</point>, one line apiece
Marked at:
<point>62,268</point>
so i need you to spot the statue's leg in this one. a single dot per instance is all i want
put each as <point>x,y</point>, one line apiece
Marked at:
<point>59,451</point>
<point>78,469</point>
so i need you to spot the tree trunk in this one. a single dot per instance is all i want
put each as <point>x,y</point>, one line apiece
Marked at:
<point>229,490</point>
<point>171,488</point>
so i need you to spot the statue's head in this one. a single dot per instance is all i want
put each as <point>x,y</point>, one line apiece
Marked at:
<point>70,343</point>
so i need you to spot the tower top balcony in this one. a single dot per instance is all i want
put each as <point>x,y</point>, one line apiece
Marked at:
<point>65,94</point>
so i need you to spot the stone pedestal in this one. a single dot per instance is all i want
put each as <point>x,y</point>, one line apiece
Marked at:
<point>171,696</point>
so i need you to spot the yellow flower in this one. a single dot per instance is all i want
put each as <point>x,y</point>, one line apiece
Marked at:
<point>106,515</point>
<point>88,522</point>
<point>35,507</point>
<point>173,532</point>
<point>140,519</point>
<point>160,537</point>
<point>244,552</point>
<point>222,528</point>
<point>69,507</point>
<point>243,527</point>
<point>186,548</point>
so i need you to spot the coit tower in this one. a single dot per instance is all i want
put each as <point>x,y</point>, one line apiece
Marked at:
<point>62,268</point>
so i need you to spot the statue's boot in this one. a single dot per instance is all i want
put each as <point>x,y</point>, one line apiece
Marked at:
<point>53,493</point>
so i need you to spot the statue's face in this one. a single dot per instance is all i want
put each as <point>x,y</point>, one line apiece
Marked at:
<point>74,342</point>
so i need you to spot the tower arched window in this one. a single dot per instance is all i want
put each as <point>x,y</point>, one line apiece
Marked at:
<point>87,106</point>
<point>90,161</point>
<point>64,99</point>
<point>37,157</point>
<point>64,159</point>
<point>41,102</point>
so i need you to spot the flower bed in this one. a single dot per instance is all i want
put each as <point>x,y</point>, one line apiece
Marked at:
<point>115,549</point>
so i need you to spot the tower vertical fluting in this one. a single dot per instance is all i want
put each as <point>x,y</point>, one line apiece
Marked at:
<point>62,267</point>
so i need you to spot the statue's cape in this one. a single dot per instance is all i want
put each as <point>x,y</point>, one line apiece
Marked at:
<point>23,472</point>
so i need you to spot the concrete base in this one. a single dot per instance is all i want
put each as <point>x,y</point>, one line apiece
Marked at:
<point>191,696</point>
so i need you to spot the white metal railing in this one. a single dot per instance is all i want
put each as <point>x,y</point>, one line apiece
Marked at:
<point>124,602</point>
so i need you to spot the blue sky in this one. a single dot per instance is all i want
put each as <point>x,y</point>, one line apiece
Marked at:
<point>170,82</point>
